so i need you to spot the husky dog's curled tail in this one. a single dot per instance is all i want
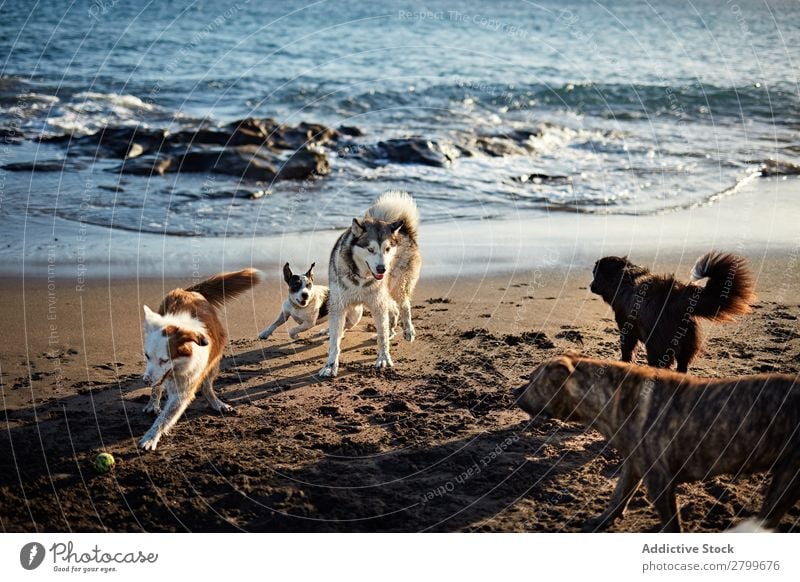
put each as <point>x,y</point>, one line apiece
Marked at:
<point>729,291</point>
<point>224,286</point>
<point>396,205</point>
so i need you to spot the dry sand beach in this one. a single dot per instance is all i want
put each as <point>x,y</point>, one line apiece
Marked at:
<point>435,444</point>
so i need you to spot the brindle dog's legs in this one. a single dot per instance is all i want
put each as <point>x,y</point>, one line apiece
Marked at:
<point>782,494</point>
<point>662,491</point>
<point>627,484</point>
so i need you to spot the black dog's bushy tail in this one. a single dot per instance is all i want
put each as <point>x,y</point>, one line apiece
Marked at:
<point>729,291</point>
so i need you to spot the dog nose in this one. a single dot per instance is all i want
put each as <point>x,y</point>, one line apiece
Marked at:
<point>304,296</point>
<point>380,269</point>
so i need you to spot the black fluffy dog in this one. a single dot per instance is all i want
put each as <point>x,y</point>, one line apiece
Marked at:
<point>662,312</point>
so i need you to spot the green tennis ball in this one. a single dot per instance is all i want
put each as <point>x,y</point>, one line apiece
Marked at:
<point>103,462</point>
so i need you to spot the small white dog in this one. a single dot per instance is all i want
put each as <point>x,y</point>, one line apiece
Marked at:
<point>307,303</point>
<point>183,345</point>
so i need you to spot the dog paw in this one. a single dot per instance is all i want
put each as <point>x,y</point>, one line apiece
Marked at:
<point>384,361</point>
<point>328,372</point>
<point>223,408</point>
<point>409,334</point>
<point>596,524</point>
<point>149,442</point>
<point>153,407</point>
<point>264,335</point>
<point>322,333</point>
<point>293,335</point>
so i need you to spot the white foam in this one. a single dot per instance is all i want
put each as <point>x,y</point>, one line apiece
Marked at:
<point>90,111</point>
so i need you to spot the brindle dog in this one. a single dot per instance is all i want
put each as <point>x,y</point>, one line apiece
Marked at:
<point>672,428</point>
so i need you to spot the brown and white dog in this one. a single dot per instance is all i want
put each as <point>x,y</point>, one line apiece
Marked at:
<point>672,428</point>
<point>183,345</point>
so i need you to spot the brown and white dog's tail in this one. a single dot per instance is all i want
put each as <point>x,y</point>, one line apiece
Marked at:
<point>729,291</point>
<point>224,286</point>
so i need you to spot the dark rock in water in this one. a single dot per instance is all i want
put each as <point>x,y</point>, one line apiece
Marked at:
<point>304,164</point>
<point>779,168</point>
<point>412,151</point>
<point>43,166</point>
<point>258,131</point>
<point>263,126</point>
<point>147,165</point>
<point>111,187</point>
<point>537,178</point>
<point>122,142</point>
<point>499,147</point>
<point>249,131</point>
<point>247,148</point>
<point>112,142</point>
<point>199,137</point>
<point>523,135</point>
<point>237,193</point>
<point>350,131</point>
<point>9,135</point>
<point>248,162</point>
<point>516,142</point>
<point>303,136</point>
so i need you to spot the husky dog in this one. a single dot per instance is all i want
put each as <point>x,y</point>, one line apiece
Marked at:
<point>376,263</point>
<point>307,303</point>
<point>672,428</point>
<point>662,312</point>
<point>183,345</point>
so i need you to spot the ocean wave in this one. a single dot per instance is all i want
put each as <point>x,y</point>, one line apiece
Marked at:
<point>69,112</point>
<point>115,99</point>
<point>608,100</point>
<point>89,111</point>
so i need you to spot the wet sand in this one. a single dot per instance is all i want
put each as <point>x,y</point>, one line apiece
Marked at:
<point>434,444</point>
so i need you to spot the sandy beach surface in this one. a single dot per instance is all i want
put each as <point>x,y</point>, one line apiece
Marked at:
<point>435,444</point>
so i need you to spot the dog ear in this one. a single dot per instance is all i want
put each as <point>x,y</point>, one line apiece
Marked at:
<point>287,272</point>
<point>560,374</point>
<point>310,272</point>
<point>179,337</point>
<point>151,318</point>
<point>357,228</point>
<point>397,225</point>
<point>192,336</point>
<point>633,271</point>
<point>561,368</point>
